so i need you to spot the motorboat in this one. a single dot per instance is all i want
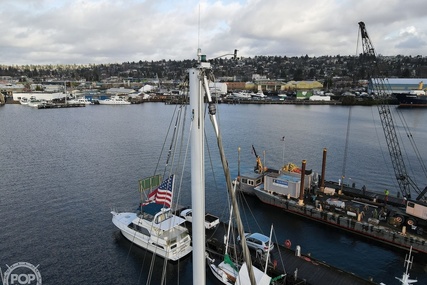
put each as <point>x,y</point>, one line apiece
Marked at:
<point>80,101</point>
<point>241,95</point>
<point>155,228</point>
<point>24,101</point>
<point>33,102</point>
<point>116,100</point>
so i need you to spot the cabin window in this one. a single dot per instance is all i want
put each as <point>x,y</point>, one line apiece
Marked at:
<point>158,245</point>
<point>245,180</point>
<point>251,182</point>
<point>411,204</point>
<point>147,217</point>
<point>258,181</point>
<point>140,229</point>
<point>184,234</point>
<point>172,241</point>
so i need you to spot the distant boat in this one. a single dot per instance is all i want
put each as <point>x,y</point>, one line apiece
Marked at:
<point>80,101</point>
<point>33,102</point>
<point>116,100</point>
<point>282,96</point>
<point>241,95</point>
<point>259,94</point>
<point>24,101</point>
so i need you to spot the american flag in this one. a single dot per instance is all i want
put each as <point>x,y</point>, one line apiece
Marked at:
<point>163,194</point>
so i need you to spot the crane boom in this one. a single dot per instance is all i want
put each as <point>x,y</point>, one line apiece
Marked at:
<point>382,91</point>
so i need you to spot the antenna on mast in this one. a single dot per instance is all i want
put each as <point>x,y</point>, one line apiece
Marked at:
<point>199,51</point>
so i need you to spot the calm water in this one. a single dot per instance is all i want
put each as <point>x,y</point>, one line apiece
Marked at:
<point>62,170</point>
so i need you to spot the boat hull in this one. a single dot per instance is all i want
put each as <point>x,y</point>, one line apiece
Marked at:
<point>101,102</point>
<point>223,272</point>
<point>415,100</point>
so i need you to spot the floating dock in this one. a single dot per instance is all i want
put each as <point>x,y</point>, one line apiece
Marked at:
<point>59,105</point>
<point>298,268</point>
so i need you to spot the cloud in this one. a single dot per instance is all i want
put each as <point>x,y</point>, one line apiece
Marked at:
<point>106,31</point>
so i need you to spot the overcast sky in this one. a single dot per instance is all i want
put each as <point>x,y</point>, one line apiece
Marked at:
<point>116,31</point>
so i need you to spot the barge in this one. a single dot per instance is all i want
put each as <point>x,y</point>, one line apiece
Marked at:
<point>371,215</point>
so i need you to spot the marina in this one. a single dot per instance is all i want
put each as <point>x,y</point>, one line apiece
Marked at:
<point>72,194</point>
<point>287,260</point>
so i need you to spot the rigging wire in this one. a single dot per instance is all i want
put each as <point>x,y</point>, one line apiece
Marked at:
<point>344,164</point>
<point>413,143</point>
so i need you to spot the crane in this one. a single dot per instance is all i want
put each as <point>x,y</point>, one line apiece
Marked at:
<point>382,91</point>
<point>259,168</point>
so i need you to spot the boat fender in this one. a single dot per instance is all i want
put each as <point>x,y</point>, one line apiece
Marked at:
<point>288,243</point>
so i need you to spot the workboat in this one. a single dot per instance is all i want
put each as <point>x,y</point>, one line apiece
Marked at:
<point>365,213</point>
<point>413,98</point>
<point>153,226</point>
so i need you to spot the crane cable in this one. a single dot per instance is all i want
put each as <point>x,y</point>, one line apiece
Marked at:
<point>413,143</point>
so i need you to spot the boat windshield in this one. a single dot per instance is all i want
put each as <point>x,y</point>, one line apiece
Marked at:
<point>163,216</point>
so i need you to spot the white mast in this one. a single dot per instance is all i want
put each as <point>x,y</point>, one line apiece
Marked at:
<point>198,172</point>
<point>408,264</point>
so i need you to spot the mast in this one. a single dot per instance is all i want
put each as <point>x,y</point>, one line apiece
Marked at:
<point>236,212</point>
<point>197,172</point>
<point>198,82</point>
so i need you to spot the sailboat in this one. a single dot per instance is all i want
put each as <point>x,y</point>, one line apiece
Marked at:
<point>408,263</point>
<point>229,272</point>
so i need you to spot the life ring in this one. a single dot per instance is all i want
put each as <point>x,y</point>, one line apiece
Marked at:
<point>288,243</point>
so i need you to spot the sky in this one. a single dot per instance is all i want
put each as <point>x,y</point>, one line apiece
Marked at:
<point>44,32</point>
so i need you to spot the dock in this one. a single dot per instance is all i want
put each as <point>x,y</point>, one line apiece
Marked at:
<point>298,268</point>
<point>59,105</point>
